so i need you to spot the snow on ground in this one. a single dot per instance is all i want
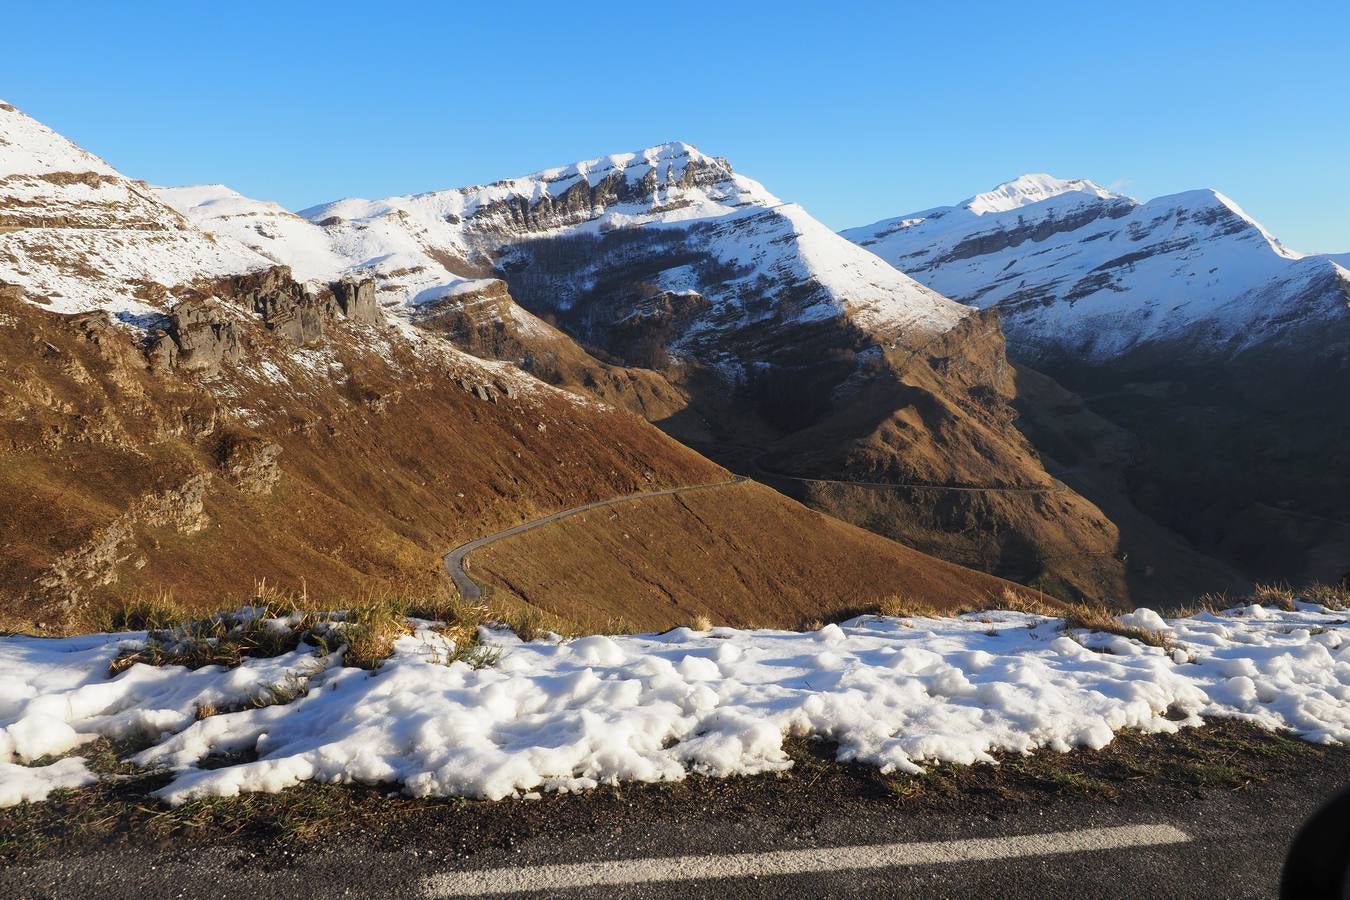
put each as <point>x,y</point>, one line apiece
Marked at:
<point>568,715</point>
<point>262,226</point>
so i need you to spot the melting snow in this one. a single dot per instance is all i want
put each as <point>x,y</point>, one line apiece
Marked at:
<point>568,715</point>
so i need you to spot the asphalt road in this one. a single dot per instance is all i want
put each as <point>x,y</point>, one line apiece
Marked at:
<point>1222,843</point>
<point>455,559</point>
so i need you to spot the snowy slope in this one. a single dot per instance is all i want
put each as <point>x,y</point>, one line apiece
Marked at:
<point>1076,268</point>
<point>264,227</point>
<point>76,235</point>
<point>569,715</point>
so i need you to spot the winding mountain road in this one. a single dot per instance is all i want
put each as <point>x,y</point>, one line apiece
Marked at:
<point>455,559</point>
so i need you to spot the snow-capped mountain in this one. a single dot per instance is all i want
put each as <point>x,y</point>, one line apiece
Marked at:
<point>1187,325</point>
<point>1080,271</point>
<point>746,255</point>
<point>77,235</point>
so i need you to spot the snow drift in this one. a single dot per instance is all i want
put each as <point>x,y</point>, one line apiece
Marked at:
<point>566,715</point>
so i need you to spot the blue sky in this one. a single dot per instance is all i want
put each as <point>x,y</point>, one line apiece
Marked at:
<point>856,110</point>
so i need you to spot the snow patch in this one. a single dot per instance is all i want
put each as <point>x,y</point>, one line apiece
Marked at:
<point>569,715</point>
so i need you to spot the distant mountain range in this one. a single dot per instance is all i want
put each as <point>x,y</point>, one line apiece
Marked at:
<point>1081,273</point>
<point>863,373</point>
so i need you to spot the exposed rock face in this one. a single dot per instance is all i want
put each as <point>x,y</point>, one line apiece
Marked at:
<point>287,307</point>
<point>483,321</point>
<point>487,322</point>
<point>296,311</point>
<point>1037,230</point>
<point>92,564</point>
<point>250,464</point>
<point>180,508</point>
<point>95,562</point>
<point>357,299</point>
<point>578,202</point>
<point>201,338</point>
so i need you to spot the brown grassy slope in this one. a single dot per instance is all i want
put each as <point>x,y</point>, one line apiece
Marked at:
<point>944,415</point>
<point>741,555</point>
<point>386,460</point>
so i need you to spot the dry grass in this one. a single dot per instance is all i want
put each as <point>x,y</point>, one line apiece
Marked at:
<point>276,622</point>
<point>1278,596</point>
<point>1331,596</point>
<point>1086,616</point>
<point>365,631</point>
<point>152,613</point>
<point>369,633</point>
<point>904,606</point>
<point>1207,603</point>
<point>1094,618</point>
<point>744,556</point>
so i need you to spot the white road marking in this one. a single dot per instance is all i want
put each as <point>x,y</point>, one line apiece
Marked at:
<point>791,862</point>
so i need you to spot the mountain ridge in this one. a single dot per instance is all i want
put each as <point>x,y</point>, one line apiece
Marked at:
<point>1077,274</point>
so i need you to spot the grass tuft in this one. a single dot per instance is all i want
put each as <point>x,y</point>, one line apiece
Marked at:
<point>1094,618</point>
<point>369,632</point>
<point>1277,596</point>
<point>1335,597</point>
<point>154,613</point>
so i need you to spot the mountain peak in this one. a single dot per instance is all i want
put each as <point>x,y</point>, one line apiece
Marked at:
<point>668,160</point>
<point>1032,188</point>
<point>1208,198</point>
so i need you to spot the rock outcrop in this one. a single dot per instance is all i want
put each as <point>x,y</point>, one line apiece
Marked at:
<point>201,335</point>
<point>95,562</point>
<point>200,338</point>
<point>250,464</point>
<point>287,307</point>
<point>357,299</point>
<point>299,311</point>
